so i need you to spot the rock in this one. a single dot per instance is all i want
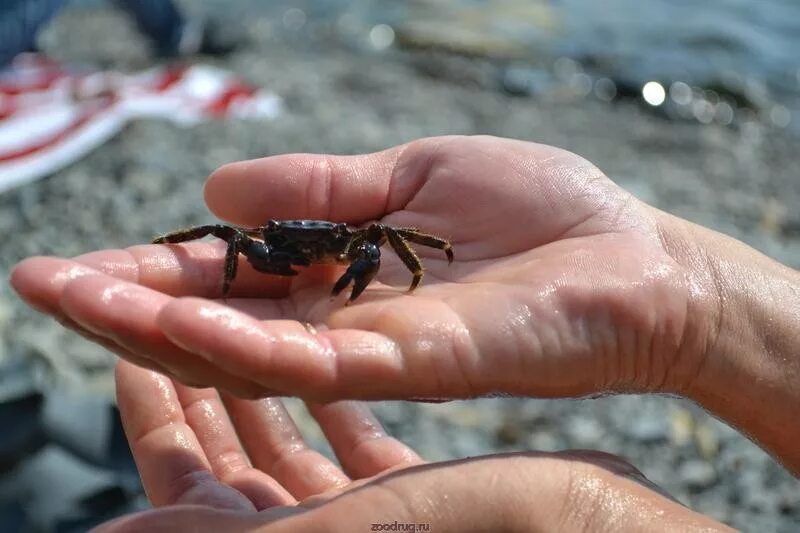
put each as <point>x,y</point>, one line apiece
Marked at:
<point>648,429</point>
<point>707,441</point>
<point>681,426</point>
<point>584,431</point>
<point>509,433</point>
<point>773,214</point>
<point>788,501</point>
<point>545,441</point>
<point>697,474</point>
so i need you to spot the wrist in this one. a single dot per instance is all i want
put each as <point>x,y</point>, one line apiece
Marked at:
<point>749,367</point>
<point>704,307</point>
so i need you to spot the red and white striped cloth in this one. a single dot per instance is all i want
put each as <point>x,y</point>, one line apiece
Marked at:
<point>51,116</point>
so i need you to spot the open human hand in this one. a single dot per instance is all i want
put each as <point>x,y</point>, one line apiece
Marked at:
<point>213,462</point>
<point>561,285</point>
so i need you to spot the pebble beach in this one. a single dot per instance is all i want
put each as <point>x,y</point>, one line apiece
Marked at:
<point>742,179</point>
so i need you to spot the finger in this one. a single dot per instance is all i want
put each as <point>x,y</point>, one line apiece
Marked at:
<point>415,351</point>
<point>194,518</point>
<point>281,355</point>
<point>171,462</point>
<point>113,347</point>
<point>360,442</point>
<point>192,268</point>
<point>326,187</point>
<point>209,420</point>
<point>275,445</point>
<point>125,313</point>
<point>147,266</point>
<point>40,280</point>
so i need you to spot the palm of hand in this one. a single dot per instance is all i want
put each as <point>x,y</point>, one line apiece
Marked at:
<point>560,287</point>
<point>546,249</point>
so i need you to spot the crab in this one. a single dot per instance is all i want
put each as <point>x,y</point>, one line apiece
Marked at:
<point>281,245</point>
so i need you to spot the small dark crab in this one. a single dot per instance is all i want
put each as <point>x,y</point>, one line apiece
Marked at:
<point>283,244</point>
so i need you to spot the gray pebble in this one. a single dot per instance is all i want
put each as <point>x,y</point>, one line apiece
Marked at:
<point>697,474</point>
<point>648,429</point>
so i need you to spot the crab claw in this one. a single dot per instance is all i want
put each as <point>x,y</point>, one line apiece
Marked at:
<point>360,272</point>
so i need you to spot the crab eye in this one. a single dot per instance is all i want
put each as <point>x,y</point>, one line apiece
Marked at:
<point>340,228</point>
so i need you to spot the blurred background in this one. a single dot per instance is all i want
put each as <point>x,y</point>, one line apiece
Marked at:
<point>693,107</point>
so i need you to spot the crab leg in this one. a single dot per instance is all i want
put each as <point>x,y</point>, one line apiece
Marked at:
<point>406,254</point>
<point>225,233</point>
<point>231,264</point>
<point>412,235</point>
<point>234,237</point>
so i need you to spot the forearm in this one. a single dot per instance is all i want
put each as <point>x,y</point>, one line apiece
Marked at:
<point>750,373</point>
